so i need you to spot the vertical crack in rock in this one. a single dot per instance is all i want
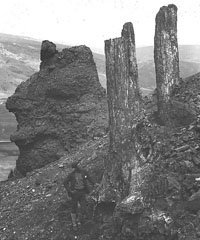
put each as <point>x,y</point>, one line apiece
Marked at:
<point>58,108</point>
<point>166,58</point>
<point>123,104</point>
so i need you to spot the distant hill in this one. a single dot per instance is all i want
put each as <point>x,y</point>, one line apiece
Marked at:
<point>147,72</point>
<point>189,63</point>
<point>19,59</point>
<point>188,53</point>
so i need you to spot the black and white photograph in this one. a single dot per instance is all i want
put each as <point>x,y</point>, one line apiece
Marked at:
<point>100,120</point>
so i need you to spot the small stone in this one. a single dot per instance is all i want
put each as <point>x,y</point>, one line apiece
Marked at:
<point>182,148</point>
<point>196,160</point>
<point>48,195</point>
<point>195,196</point>
<point>193,203</point>
<point>188,164</point>
<point>61,166</point>
<point>198,234</point>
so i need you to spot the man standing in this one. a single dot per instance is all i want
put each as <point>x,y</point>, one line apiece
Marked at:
<point>77,187</point>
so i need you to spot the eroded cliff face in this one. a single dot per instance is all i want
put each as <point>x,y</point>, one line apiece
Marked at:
<point>58,108</point>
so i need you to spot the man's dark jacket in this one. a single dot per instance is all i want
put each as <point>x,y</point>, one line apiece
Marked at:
<point>69,181</point>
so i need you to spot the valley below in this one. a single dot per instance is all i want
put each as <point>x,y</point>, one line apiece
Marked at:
<point>8,157</point>
<point>8,150</point>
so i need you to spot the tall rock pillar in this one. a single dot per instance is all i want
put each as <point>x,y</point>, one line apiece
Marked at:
<point>166,58</point>
<point>123,103</point>
<point>57,108</point>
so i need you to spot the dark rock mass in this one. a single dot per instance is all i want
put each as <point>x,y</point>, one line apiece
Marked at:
<point>58,108</point>
<point>166,57</point>
<point>48,50</point>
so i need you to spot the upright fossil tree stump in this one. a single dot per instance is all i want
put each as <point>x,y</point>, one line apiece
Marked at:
<point>166,58</point>
<point>123,103</point>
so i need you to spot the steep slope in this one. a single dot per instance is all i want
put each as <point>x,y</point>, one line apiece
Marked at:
<point>36,207</point>
<point>188,92</point>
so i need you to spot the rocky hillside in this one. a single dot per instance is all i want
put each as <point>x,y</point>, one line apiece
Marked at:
<point>143,153</point>
<point>35,207</point>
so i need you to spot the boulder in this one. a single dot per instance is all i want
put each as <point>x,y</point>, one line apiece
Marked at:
<point>58,108</point>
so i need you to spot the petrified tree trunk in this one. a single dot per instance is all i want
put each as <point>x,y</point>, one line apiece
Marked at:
<point>123,104</point>
<point>166,58</point>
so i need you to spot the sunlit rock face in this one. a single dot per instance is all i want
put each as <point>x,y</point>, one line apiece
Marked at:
<point>166,56</point>
<point>58,108</point>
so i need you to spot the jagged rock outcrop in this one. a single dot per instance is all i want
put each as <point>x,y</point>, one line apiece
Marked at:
<point>48,50</point>
<point>59,107</point>
<point>123,104</point>
<point>166,58</point>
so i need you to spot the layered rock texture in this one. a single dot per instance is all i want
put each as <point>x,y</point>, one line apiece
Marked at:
<point>58,108</point>
<point>123,105</point>
<point>166,58</point>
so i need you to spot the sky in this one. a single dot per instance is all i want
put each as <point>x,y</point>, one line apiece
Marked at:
<point>90,22</point>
